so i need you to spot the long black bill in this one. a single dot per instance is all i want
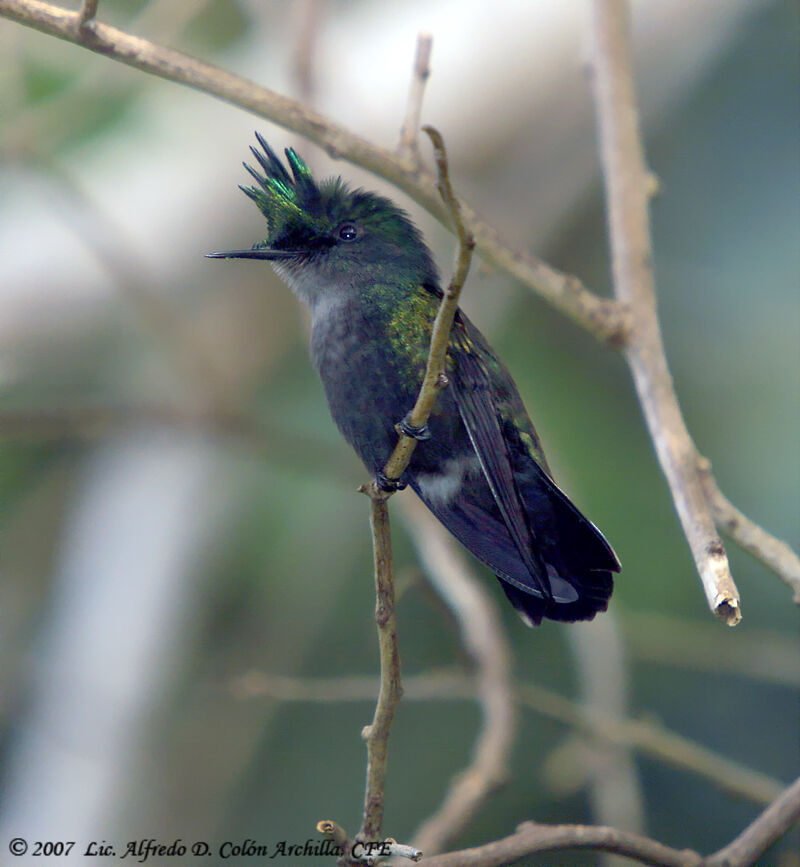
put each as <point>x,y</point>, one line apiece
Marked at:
<point>254,253</point>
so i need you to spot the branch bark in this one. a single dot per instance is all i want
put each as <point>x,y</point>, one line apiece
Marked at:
<point>772,824</point>
<point>435,378</point>
<point>626,183</point>
<point>409,137</point>
<point>87,11</point>
<point>774,553</point>
<point>531,838</point>
<point>377,734</point>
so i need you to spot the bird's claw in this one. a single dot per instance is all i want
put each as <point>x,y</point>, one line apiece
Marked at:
<point>389,485</point>
<point>417,432</point>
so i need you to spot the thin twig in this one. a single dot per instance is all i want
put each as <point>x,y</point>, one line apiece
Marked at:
<point>625,177</point>
<point>531,838</point>
<point>435,378</point>
<point>376,734</point>
<point>355,852</point>
<point>334,832</point>
<point>602,317</point>
<point>772,824</point>
<point>482,635</point>
<point>650,738</point>
<point>764,547</point>
<point>409,132</point>
<point>87,12</point>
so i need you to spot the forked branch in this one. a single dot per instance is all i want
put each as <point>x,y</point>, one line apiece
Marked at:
<point>626,183</point>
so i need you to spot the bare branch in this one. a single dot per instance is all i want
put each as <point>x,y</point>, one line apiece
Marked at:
<point>87,12</point>
<point>376,734</point>
<point>774,553</point>
<point>409,138</point>
<point>435,378</point>
<point>530,838</point>
<point>602,317</point>
<point>354,853</point>
<point>482,635</point>
<point>334,832</point>
<point>626,182</point>
<point>770,826</point>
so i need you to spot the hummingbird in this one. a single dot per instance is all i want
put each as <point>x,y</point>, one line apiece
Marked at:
<point>370,281</point>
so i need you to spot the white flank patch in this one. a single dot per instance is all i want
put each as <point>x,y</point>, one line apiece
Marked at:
<point>440,488</point>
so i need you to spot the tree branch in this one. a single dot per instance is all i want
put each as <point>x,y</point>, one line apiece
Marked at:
<point>774,553</point>
<point>531,838</point>
<point>626,183</point>
<point>377,734</point>
<point>435,378</point>
<point>770,826</point>
<point>352,852</point>
<point>87,11</point>
<point>602,317</point>
<point>409,132</point>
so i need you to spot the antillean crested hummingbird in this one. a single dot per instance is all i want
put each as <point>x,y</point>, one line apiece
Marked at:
<point>365,271</point>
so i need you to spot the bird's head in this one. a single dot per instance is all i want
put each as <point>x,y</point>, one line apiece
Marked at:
<point>324,237</point>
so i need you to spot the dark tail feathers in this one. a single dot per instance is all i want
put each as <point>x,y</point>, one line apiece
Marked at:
<point>578,552</point>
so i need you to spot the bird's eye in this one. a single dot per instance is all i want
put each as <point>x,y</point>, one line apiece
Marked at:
<point>348,232</point>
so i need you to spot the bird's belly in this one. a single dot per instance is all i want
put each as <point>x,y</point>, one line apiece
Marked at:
<point>367,393</point>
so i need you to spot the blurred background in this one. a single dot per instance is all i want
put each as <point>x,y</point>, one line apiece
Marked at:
<point>179,517</point>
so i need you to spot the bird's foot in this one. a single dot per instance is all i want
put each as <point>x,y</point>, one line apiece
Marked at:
<point>387,484</point>
<point>417,432</point>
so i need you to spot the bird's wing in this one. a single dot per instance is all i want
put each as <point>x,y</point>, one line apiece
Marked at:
<point>471,387</point>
